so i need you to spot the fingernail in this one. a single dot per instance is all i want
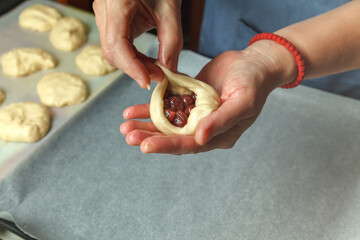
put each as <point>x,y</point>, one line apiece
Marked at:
<point>148,87</point>
<point>143,81</point>
<point>125,114</point>
<point>167,63</point>
<point>123,129</point>
<point>146,147</point>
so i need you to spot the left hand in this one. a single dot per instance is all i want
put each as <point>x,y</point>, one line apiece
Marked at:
<point>243,80</point>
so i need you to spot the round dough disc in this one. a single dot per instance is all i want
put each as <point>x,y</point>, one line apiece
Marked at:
<point>2,97</point>
<point>24,122</point>
<point>68,34</point>
<point>59,89</point>
<point>91,61</point>
<point>207,101</point>
<point>24,61</point>
<point>39,17</point>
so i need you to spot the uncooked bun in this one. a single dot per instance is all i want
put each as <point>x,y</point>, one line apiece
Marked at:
<point>24,122</point>
<point>39,17</point>
<point>91,61</point>
<point>68,34</point>
<point>59,89</point>
<point>207,100</point>
<point>24,61</point>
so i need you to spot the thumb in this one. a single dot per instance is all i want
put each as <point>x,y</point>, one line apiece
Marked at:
<point>170,37</point>
<point>234,110</point>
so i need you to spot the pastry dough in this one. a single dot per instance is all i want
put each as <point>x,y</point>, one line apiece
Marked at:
<point>59,89</point>
<point>207,100</point>
<point>24,122</point>
<point>91,61</point>
<point>2,97</point>
<point>24,61</point>
<point>39,17</point>
<point>68,34</point>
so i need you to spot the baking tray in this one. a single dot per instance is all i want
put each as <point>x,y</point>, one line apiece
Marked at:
<point>11,227</point>
<point>24,88</point>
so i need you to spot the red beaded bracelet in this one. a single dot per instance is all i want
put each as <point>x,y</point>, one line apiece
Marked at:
<point>292,49</point>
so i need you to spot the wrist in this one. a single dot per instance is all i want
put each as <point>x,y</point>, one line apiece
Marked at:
<point>280,66</point>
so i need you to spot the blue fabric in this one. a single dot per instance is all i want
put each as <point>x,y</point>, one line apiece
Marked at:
<point>230,24</point>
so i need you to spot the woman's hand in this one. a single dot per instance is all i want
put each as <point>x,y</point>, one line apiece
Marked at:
<point>243,80</point>
<point>121,21</point>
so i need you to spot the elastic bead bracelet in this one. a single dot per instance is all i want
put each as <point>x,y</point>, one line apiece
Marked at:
<point>291,48</point>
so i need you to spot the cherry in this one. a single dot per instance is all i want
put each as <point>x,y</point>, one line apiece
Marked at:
<point>167,94</point>
<point>188,109</point>
<point>187,100</point>
<point>175,104</point>
<point>166,103</point>
<point>193,95</point>
<point>177,107</point>
<point>170,115</point>
<point>180,119</point>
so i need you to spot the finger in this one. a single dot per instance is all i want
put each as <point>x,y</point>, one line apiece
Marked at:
<point>141,111</point>
<point>117,48</point>
<point>155,71</point>
<point>170,36</point>
<point>238,107</point>
<point>173,144</point>
<point>227,139</point>
<point>156,74</point>
<point>119,15</point>
<point>136,137</point>
<point>176,144</point>
<point>131,125</point>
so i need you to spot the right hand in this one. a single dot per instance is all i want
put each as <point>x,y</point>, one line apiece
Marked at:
<point>121,21</point>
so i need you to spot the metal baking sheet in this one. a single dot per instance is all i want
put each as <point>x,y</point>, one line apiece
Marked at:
<point>24,88</point>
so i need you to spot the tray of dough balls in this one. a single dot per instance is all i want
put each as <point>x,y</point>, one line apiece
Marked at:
<point>51,68</point>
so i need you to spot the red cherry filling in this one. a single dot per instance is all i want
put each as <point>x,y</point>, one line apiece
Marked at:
<point>180,119</point>
<point>170,115</point>
<point>193,96</point>
<point>177,107</point>
<point>175,103</point>
<point>187,100</point>
<point>188,110</point>
<point>166,103</point>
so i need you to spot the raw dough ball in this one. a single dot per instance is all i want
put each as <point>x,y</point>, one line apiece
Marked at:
<point>39,17</point>
<point>68,34</point>
<point>59,89</point>
<point>24,122</point>
<point>2,97</point>
<point>207,101</point>
<point>91,62</point>
<point>24,61</point>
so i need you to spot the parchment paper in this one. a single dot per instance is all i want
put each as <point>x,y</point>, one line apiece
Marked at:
<point>295,174</point>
